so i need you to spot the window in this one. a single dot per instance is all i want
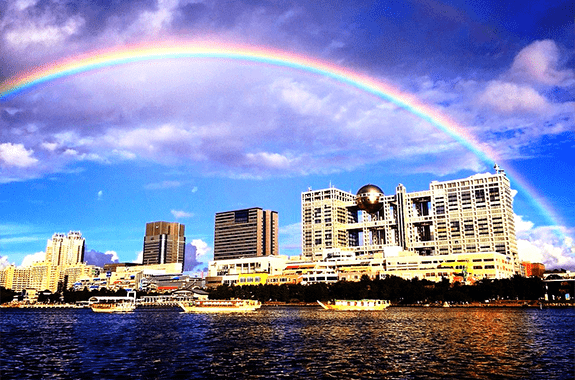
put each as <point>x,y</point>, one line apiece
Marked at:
<point>241,216</point>
<point>480,196</point>
<point>494,194</point>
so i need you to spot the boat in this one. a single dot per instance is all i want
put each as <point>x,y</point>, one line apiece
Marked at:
<point>219,306</point>
<point>113,307</point>
<point>355,305</point>
<point>113,304</point>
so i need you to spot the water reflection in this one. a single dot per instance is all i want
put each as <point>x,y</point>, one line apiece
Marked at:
<point>289,342</point>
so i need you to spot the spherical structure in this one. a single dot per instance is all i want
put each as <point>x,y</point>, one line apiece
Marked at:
<point>367,198</point>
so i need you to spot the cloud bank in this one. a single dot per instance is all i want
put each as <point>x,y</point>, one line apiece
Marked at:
<point>546,245</point>
<point>98,259</point>
<point>196,255</point>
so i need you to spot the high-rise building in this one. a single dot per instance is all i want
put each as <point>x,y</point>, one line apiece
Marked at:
<point>164,243</point>
<point>324,215</point>
<point>64,250</point>
<point>473,214</point>
<point>245,233</point>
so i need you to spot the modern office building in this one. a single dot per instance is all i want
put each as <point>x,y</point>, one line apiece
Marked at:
<point>164,243</point>
<point>469,215</point>
<point>64,250</point>
<point>325,214</point>
<point>249,232</point>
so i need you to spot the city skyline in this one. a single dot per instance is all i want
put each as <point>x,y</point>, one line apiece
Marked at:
<point>182,138</point>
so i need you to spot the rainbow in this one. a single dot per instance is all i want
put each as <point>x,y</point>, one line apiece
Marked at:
<point>232,52</point>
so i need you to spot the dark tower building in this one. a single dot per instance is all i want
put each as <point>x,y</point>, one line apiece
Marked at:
<point>164,243</point>
<point>246,233</point>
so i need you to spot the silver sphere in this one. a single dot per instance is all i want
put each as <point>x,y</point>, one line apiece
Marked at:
<point>367,198</point>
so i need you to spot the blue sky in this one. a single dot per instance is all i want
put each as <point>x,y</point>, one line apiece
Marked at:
<point>105,152</point>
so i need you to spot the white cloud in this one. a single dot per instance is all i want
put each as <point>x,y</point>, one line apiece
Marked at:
<point>113,256</point>
<point>300,98</point>
<point>50,146</point>
<point>510,97</point>
<point>35,258</point>
<point>4,262</point>
<point>16,155</point>
<point>539,63</point>
<point>269,160</point>
<point>549,245</point>
<point>202,249</point>
<point>23,4</point>
<point>164,143</point>
<point>45,31</point>
<point>178,214</point>
<point>139,258</point>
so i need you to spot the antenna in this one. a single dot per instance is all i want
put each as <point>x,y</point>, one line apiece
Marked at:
<point>498,169</point>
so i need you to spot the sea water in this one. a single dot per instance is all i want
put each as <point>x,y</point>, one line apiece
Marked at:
<point>289,342</point>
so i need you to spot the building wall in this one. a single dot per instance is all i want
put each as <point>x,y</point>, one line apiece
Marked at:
<point>245,233</point>
<point>164,243</point>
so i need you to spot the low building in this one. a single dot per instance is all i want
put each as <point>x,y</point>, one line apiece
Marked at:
<point>126,276</point>
<point>228,271</point>
<point>462,267</point>
<point>44,276</point>
<point>533,269</point>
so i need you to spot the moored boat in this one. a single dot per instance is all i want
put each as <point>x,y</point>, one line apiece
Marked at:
<point>113,304</point>
<point>219,306</point>
<point>113,307</point>
<point>355,305</point>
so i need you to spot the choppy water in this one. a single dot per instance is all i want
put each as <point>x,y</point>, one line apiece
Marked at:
<point>286,342</point>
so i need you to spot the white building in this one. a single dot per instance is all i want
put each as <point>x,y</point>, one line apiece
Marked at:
<point>230,271</point>
<point>470,215</point>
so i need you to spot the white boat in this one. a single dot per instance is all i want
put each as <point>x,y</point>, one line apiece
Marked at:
<point>219,306</point>
<point>113,307</point>
<point>355,305</point>
<point>113,304</point>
